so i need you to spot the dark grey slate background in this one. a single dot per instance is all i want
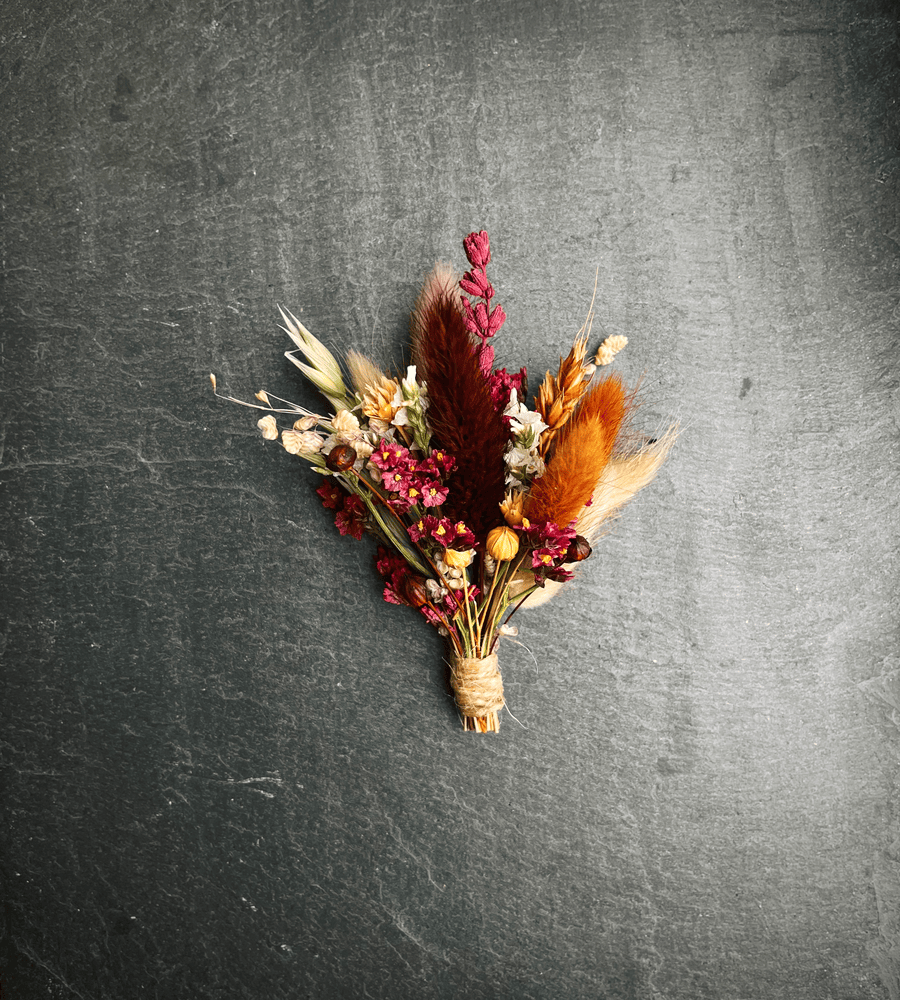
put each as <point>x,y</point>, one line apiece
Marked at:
<point>232,771</point>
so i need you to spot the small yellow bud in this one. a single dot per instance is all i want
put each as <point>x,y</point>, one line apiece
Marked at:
<point>212,379</point>
<point>502,544</point>
<point>262,397</point>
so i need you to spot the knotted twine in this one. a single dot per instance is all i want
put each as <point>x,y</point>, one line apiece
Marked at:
<point>477,685</point>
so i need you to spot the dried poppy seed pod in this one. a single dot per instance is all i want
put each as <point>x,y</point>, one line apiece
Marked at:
<point>579,549</point>
<point>340,458</point>
<point>413,589</point>
<point>502,544</point>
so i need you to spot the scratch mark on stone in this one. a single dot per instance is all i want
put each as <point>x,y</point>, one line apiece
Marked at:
<point>396,835</point>
<point>52,972</point>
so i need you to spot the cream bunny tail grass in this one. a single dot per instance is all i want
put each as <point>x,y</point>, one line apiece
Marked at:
<point>622,478</point>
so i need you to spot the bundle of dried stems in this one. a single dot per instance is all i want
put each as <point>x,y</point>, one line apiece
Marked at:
<point>481,506</point>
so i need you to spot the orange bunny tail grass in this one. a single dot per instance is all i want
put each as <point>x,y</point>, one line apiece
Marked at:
<point>583,449</point>
<point>461,413</point>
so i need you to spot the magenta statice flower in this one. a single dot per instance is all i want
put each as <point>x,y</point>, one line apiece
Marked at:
<point>463,538</point>
<point>395,479</point>
<point>389,455</point>
<point>445,463</point>
<point>438,464</point>
<point>434,494</point>
<point>442,531</point>
<point>502,383</point>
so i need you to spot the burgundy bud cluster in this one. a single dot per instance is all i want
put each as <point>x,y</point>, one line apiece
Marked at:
<point>483,322</point>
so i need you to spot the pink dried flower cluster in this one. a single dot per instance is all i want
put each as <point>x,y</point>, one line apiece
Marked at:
<point>550,547</point>
<point>443,531</point>
<point>415,481</point>
<point>403,586</point>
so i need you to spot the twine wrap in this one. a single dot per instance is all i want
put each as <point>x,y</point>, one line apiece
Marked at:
<point>477,685</point>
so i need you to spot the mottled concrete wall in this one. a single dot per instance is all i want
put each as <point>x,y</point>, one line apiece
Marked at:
<point>231,770</point>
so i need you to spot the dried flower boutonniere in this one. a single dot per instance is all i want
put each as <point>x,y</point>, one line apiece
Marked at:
<point>479,504</point>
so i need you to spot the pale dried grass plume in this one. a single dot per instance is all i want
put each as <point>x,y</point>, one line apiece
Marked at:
<point>609,349</point>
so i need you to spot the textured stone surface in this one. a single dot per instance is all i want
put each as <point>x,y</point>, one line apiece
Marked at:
<point>230,769</point>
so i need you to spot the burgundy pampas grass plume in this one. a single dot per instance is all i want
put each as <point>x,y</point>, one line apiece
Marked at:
<point>461,412</point>
<point>583,449</point>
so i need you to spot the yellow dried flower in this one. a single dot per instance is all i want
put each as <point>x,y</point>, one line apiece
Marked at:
<point>305,423</point>
<point>378,399</point>
<point>268,428</point>
<point>610,348</point>
<point>511,507</point>
<point>502,544</point>
<point>262,397</point>
<point>458,558</point>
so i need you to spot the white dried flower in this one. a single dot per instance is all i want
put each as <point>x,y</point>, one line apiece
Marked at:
<point>307,442</point>
<point>381,427</point>
<point>268,428</point>
<point>412,390</point>
<point>522,463</point>
<point>291,442</point>
<point>305,423</point>
<point>310,441</point>
<point>346,426</point>
<point>521,418</point>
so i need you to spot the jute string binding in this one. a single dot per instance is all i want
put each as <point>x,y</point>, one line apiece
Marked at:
<point>477,685</point>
